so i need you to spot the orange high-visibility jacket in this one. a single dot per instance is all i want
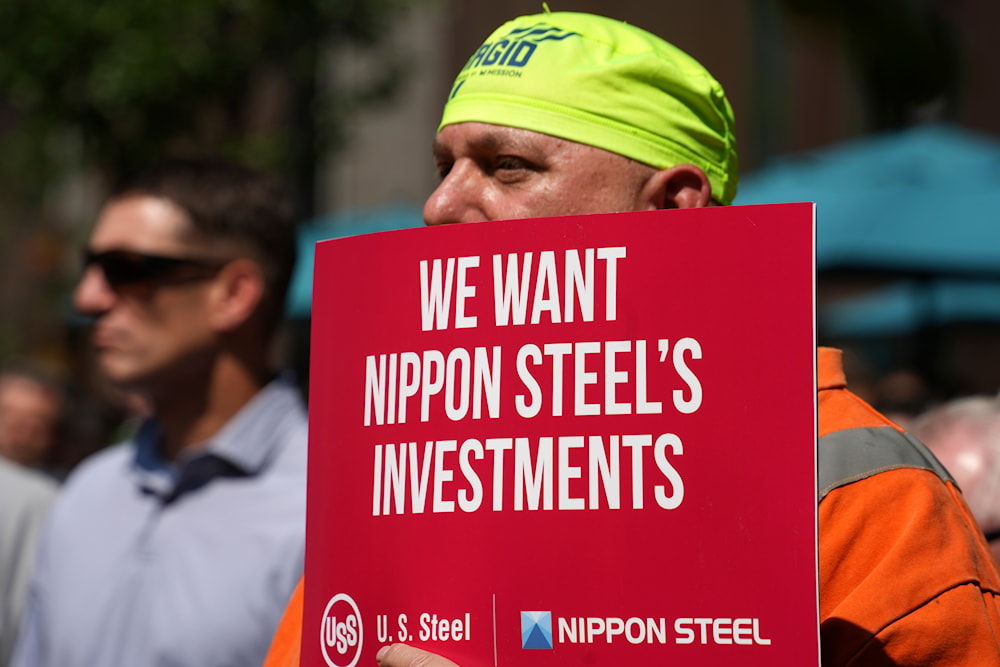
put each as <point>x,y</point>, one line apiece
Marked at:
<point>906,577</point>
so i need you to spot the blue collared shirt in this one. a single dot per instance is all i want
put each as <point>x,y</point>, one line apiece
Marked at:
<point>185,564</point>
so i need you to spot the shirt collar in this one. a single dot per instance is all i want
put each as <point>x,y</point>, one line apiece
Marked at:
<point>830,368</point>
<point>245,445</point>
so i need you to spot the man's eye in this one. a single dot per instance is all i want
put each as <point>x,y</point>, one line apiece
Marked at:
<point>508,163</point>
<point>510,169</point>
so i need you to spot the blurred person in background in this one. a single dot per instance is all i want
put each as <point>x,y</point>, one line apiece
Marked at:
<point>901,395</point>
<point>180,545</point>
<point>25,498</point>
<point>33,409</point>
<point>964,434</point>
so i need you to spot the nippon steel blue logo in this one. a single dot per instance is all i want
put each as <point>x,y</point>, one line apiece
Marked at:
<point>536,629</point>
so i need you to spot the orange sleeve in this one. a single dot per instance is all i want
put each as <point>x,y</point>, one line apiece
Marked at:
<point>284,651</point>
<point>906,577</point>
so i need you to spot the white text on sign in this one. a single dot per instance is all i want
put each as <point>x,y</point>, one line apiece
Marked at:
<point>446,285</point>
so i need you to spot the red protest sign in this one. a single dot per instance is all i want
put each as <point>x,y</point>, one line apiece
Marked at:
<point>581,440</point>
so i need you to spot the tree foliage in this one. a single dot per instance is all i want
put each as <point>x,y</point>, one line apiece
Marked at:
<point>117,83</point>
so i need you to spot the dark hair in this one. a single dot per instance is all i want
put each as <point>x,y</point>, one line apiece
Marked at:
<point>230,204</point>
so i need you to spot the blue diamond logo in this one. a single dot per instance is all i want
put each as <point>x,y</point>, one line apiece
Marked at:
<point>536,629</point>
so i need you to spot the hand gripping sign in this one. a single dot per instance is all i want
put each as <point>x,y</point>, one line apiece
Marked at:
<point>581,440</point>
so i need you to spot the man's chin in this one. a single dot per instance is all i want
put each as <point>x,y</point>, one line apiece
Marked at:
<point>120,375</point>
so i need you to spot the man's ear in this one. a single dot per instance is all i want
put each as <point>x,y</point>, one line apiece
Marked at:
<point>237,293</point>
<point>682,186</point>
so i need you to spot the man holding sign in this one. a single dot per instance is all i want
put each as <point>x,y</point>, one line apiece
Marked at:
<point>536,126</point>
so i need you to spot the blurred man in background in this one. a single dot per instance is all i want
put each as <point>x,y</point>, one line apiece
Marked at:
<point>179,546</point>
<point>32,413</point>
<point>965,436</point>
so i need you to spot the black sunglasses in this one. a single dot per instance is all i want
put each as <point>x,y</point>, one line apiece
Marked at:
<point>125,267</point>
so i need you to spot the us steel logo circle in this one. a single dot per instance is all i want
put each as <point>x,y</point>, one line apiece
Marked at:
<point>341,632</point>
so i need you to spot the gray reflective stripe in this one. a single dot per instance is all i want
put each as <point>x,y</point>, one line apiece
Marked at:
<point>857,453</point>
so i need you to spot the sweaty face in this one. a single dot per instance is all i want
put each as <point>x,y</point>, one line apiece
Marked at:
<point>147,332</point>
<point>492,172</point>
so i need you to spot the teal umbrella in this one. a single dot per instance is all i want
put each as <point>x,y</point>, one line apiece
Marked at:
<point>344,223</point>
<point>905,306</point>
<point>924,200</point>
<point>918,209</point>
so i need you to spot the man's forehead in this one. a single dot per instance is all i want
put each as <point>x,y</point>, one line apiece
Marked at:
<point>22,384</point>
<point>492,137</point>
<point>140,221</point>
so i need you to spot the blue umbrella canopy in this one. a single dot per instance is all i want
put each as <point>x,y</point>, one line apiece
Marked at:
<point>906,306</point>
<point>920,205</point>
<point>344,223</point>
<point>924,200</point>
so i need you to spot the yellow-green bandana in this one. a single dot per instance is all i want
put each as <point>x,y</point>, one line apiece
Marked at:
<point>604,83</point>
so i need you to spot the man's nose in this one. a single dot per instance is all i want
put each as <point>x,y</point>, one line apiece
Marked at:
<point>456,199</point>
<point>93,296</point>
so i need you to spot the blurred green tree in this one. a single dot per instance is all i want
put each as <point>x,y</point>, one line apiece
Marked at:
<point>113,84</point>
